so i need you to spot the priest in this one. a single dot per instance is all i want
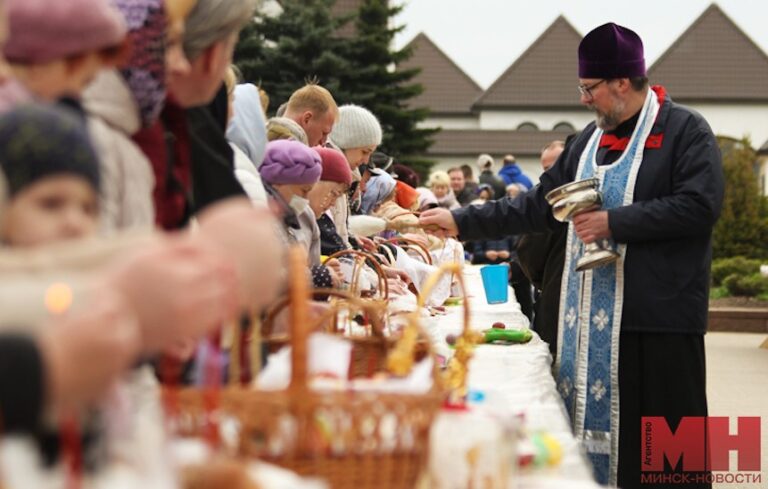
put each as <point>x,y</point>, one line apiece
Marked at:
<point>631,333</point>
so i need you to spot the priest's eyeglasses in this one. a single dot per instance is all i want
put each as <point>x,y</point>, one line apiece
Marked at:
<point>586,90</point>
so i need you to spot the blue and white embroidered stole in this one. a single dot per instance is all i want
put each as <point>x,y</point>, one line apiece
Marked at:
<point>590,311</point>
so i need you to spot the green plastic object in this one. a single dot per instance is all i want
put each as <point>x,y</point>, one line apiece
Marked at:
<point>508,335</point>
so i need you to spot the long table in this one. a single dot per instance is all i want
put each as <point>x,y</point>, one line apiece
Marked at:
<point>518,380</point>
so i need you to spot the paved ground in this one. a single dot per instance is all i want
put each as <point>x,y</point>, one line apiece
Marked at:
<point>737,384</point>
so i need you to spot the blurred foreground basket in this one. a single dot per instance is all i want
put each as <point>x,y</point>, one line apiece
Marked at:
<point>352,439</point>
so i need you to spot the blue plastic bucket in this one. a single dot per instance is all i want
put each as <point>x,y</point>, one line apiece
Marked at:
<point>495,282</point>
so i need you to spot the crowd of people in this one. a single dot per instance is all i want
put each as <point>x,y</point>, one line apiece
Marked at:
<point>458,188</point>
<point>144,186</point>
<point>148,202</point>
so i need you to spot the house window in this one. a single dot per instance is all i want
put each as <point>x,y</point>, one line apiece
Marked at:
<point>564,127</point>
<point>527,126</point>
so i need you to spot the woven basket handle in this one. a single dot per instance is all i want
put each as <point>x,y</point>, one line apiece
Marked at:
<point>390,256</point>
<point>382,277</point>
<point>370,307</point>
<point>456,372</point>
<point>377,329</point>
<point>398,360</point>
<point>455,269</point>
<point>298,293</point>
<point>423,251</point>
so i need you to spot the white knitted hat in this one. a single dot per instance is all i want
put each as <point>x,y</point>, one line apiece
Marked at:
<point>356,127</point>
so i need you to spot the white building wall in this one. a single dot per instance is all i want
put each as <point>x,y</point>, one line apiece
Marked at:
<point>727,120</point>
<point>544,120</point>
<point>447,162</point>
<point>737,121</point>
<point>762,182</point>
<point>451,122</point>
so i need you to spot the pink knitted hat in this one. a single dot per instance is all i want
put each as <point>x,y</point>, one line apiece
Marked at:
<point>45,30</point>
<point>335,166</point>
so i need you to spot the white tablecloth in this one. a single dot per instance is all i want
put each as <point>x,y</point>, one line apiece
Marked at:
<point>517,379</point>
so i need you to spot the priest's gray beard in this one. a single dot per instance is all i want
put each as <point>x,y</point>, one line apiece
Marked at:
<point>610,119</point>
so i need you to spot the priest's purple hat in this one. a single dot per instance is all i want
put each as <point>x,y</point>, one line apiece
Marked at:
<point>611,51</point>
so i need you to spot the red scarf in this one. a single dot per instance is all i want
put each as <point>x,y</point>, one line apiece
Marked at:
<point>654,141</point>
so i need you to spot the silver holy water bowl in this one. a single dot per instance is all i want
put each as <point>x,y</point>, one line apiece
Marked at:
<point>575,198</point>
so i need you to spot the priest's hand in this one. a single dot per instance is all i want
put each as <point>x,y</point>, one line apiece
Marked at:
<point>439,222</point>
<point>592,226</point>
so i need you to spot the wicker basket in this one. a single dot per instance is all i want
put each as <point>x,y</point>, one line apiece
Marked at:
<point>410,244</point>
<point>362,258</point>
<point>369,351</point>
<point>352,439</point>
<point>458,367</point>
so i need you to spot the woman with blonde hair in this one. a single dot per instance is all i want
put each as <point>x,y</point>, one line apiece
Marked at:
<point>440,184</point>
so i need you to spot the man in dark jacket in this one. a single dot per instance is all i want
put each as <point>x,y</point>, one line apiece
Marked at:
<point>541,257</point>
<point>464,191</point>
<point>636,326</point>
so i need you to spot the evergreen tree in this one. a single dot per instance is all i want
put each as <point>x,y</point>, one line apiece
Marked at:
<point>281,54</point>
<point>743,226</point>
<point>374,82</point>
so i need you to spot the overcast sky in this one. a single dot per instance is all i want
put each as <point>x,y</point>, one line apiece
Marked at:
<point>485,36</point>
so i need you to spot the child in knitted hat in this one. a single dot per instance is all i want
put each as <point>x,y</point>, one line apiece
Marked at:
<point>56,48</point>
<point>53,176</point>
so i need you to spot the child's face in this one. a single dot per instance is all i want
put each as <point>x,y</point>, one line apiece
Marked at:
<point>440,191</point>
<point>62,77</point>
<point>53,209</point>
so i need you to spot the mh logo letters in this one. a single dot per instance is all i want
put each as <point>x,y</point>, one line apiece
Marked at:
<point>703,444</point>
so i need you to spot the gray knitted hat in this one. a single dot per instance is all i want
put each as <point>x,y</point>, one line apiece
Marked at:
<point>356,127</point>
